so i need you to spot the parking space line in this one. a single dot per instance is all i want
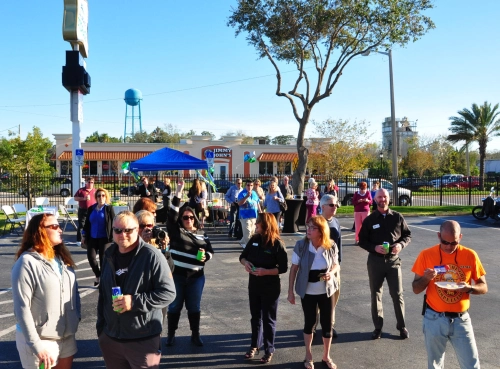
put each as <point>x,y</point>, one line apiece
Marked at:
<point>7,331</point>
<point>6,315</point>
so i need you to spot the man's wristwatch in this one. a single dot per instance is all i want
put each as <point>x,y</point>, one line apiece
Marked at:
<point>471,290</point>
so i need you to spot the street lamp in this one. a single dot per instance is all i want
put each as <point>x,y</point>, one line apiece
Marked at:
<point>381,161</point>
<point>393,127</point>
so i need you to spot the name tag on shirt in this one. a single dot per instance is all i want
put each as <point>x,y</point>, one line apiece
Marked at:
<point>255,244</point>
<point>375,226</point>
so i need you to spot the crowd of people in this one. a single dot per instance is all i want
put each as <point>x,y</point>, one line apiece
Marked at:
<point>146,274</point>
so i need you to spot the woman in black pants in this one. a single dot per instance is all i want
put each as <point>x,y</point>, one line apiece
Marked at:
<point>264,258</point>
<point>314,264</point>
<point>97,231</point>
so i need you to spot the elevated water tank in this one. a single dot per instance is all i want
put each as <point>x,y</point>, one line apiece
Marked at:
<point>133,97</point>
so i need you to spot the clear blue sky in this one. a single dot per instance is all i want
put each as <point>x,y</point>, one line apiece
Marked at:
<point>195,74</point>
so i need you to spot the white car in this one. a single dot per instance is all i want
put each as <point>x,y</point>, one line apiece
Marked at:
<point>404,194</point>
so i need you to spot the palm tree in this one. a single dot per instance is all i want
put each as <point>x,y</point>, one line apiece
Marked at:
<point>477,125</point>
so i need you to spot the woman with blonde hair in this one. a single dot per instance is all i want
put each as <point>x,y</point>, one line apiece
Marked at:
<point>314,264</point>
<point>98,230</point>
<point>264,259</point>
<point>260,192</point>
<point>45,295</point>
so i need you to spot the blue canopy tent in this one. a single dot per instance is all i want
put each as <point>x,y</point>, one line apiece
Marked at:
<point>168,159</point>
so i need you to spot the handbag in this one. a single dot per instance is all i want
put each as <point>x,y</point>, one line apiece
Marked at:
<point>283,206</point>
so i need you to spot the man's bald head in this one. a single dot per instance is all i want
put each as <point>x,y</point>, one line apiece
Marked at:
<point>450,227</point>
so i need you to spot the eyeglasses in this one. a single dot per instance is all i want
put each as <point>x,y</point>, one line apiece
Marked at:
<point>187,217</point>
<point>53,226</point>
<point>124,230</point>
<point>101,195</point>
<point>312,228</point>
<point>332,205</point>
<point>142,226</point>
<point>446,243</point>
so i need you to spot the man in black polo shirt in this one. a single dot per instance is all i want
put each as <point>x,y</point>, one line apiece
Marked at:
<point>385,225</point>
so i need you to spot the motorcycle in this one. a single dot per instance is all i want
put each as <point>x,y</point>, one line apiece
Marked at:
<point>489,209</point>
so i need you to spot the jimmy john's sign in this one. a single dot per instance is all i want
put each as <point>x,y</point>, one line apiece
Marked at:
<point>222,153</point>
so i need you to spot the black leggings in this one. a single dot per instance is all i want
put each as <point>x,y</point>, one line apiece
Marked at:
<point>95,246</point>
<point>310,305</point>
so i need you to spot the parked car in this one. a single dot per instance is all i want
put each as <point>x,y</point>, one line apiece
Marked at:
<point>129,191</point>
<point>464,183</point>
<point>223,185</point>
<point>346,192</point>
<point>446,178</point>
<point>53,186</point>
<point>414,184</point>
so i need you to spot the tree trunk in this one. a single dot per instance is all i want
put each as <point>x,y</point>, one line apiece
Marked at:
<point>303,154</point>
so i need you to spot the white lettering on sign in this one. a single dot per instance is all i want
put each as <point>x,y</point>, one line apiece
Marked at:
<point>222,153</point>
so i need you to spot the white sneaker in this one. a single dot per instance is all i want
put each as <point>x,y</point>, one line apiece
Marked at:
<point>242,245</point>
<point>78,243</point>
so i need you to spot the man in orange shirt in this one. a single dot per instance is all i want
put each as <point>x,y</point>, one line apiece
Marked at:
<point>446,272</point>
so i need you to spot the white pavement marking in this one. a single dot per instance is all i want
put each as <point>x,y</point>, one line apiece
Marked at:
<point>7,290</point>
<point>6,315</point>
<point>88,292</point>
<point>425,229</point>
<point>5,302</point>
<point>7,331</point>
<point>84,278</point>
<point>82,270</point>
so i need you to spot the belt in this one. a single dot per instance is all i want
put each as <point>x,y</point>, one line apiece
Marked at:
<point>449,314</point>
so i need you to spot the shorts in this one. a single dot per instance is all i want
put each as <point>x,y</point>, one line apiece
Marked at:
<point>67,347</point>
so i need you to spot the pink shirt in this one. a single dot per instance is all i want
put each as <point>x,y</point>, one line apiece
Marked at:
<point>312,197</point>
<point>362,206</point>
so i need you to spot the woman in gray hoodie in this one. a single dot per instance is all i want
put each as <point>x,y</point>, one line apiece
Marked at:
<point>46,299</point>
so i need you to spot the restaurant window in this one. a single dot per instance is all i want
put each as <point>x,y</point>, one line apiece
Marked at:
<point>66,167</point>
<point>89,168</point>
<point>266,167</point>
<point>109,168</point>
<point>285,167</point>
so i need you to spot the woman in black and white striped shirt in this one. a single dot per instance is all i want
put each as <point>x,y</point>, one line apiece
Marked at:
<point>189,277</point>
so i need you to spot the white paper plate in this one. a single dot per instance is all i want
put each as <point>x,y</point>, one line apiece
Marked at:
<point>448,285</point>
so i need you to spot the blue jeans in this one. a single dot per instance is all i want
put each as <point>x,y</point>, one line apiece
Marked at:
<point>188,290</point>
<point>438,329</point>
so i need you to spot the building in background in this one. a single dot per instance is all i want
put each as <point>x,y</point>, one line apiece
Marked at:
<point>405,130</point>
<point>106,159</point>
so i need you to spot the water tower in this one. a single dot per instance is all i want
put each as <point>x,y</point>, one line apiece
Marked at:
<point>133,99</point>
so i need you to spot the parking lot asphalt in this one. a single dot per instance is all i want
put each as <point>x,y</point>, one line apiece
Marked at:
<point>225,326</point>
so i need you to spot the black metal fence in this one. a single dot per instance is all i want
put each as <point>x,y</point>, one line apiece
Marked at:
<point>429,191</point>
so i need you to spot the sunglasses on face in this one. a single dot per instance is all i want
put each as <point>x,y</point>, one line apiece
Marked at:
<point>142,226</point>
<point>124,230</point>
<point>187,217</point>
<point>53,226</point>
<point>101,195</point>
<point>446,243</point>
<point>332,205</point>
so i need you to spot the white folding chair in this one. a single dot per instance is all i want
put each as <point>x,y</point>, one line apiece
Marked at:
<point>67,218</point>
<point>19,208</point>
<point>43,201</point>
<point>71,205</point>
<point>12,220</point>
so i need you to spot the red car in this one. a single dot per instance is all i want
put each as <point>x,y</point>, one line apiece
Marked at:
<point>464,183</point>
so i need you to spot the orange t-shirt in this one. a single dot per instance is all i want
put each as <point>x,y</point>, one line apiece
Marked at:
<point>464,265</point>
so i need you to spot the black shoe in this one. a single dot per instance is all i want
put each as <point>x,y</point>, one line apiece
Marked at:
<point>196,340</point>
<point>334,333</point>
<point>230,234</point>
<point>170,341</point>
<point>377,333</point>
<point>404,334</point>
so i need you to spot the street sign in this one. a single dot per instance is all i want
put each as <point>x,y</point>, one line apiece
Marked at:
<point>79,157</point>
<point>209,155</point>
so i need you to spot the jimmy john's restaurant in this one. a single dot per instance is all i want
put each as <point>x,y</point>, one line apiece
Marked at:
<point>231,156</point>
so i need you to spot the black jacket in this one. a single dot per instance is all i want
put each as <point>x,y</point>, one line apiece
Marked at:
<point>109,215</point>
<point>151,285</point>
<point>184,245</point>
